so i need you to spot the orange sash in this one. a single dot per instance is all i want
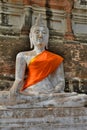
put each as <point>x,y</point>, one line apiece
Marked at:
<point>41,66</point>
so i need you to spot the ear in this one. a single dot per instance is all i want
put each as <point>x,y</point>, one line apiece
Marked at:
<point>31,41</point>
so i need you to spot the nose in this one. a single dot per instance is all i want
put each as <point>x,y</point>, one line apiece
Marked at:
<point>40,34</point>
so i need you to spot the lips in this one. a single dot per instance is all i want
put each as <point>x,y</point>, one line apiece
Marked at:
<point>40,40</point>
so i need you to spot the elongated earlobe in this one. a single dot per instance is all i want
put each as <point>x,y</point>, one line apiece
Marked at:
<point>31,45</point>
<point>31,41</point>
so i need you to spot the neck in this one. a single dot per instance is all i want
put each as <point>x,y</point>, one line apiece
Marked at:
<point>39,50</point>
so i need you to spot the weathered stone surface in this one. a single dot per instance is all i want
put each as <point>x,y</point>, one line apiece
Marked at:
<point>9,47</point>
<point>13,24</point>
<point>44,119</point>
<point>79,21</point>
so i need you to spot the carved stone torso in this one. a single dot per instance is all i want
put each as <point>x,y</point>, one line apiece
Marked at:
<point>48,84</point>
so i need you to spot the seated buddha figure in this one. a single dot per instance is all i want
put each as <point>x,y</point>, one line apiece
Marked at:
<point>45,69</point>
<point>45,83</point>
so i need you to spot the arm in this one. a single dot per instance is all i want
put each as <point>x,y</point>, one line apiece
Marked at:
<point>60,79</point>
<point>19,73</point>
<point>57,79</point>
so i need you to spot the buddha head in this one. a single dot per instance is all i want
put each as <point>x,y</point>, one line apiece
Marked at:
<point>39,34</point>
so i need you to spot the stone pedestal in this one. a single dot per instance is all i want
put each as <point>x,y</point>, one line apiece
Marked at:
<point>43,119</point>
<point>27,113</point>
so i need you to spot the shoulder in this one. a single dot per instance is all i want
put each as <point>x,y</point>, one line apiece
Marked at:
<point>29,53</point>
<point>54,56</point>
<point>20,56</point>
<point>25,54</point>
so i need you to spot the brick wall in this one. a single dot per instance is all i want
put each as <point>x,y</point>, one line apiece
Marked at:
<point>9,47</point>
<point>75,64</point>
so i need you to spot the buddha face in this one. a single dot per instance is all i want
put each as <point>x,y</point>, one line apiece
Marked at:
<point>39,35</point>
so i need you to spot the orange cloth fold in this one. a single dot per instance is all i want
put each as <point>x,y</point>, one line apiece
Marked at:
<point>41,66</point>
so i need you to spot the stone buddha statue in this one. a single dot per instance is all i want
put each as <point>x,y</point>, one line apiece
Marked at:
<point>45,83</point>
<point>45,69</point>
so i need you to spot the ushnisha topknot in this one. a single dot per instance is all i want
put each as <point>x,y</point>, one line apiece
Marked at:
<point>39,21</point>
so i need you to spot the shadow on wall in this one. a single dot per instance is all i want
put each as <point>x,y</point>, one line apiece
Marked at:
<point>48,13</point>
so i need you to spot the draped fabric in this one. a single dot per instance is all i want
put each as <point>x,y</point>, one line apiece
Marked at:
<point>41,66</point>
